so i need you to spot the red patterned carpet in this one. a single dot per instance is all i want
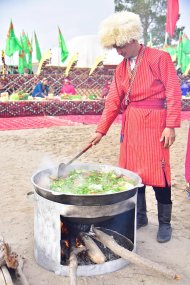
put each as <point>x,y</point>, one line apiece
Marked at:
<point>31,122</point>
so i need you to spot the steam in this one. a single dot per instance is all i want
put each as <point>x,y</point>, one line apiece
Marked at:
<point>46,164</point>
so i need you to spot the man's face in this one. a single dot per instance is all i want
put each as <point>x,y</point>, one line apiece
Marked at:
<point>126,50</point>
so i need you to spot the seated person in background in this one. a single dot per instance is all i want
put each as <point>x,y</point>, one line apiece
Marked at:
<point>41,89</point>
<point>67,87</point>
<point>184,88</point>
<point>105,89</point>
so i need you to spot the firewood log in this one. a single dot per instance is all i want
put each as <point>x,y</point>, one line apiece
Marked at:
<point>2,279</point>
<point>109,242</point>
<point>7,256</point>
<point>20,276</point>
<point>9,259</point>
<point>2,261</point>
<point>93,251</point>
<point>6,276</point>
<point>73,264</point>
<point>2,254</point>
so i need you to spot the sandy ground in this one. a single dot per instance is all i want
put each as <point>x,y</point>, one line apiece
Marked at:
<point>23,152</point>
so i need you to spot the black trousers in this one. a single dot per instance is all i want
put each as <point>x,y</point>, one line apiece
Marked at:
<point>162,194</point>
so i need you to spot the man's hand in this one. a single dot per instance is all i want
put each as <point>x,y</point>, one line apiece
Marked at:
<point>96,138</point>
<point>168,137</point>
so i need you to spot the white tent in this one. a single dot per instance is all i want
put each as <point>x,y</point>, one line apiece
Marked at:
<point>88,49</point>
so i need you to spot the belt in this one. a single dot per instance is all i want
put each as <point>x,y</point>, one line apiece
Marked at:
<point>148,104</point>
<point>155,104</point>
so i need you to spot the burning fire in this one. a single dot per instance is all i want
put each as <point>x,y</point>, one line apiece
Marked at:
<point>69,238</point>
<point>64,229</point>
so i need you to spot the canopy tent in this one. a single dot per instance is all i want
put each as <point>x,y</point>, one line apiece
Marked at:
<point>88,49</point>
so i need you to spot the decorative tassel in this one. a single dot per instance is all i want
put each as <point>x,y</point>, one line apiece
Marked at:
<point>121,138</point>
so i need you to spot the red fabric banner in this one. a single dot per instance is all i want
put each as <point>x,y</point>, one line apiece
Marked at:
<point>172,16</point>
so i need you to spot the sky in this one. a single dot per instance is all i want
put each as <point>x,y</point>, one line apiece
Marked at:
<point>184,9</point>
<point>74,17</point>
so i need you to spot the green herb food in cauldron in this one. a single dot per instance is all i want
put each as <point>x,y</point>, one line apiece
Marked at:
<point>80,182</point>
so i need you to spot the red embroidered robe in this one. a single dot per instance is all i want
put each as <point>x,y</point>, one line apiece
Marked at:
<point>141,150</point>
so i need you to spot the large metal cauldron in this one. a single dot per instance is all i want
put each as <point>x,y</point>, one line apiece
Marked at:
<point>88,208</point>
<point>41,182</point>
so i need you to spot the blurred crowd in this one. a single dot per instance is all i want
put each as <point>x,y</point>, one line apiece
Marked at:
<point>185,84</point>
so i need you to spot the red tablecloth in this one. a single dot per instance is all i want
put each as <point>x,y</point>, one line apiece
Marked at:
<point>58,108</point>
<point>50,108</point>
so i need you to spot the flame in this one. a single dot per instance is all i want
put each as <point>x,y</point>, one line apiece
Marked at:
<point>78,243</point>
<point>64,229</point>
<point>67,243</point>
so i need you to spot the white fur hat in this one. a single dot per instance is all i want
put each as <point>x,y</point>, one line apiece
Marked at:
<point>119,29</point>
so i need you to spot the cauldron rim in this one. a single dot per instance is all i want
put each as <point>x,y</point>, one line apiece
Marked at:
<point>139,184</point>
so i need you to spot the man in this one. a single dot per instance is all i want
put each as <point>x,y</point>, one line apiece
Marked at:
<point>143,83</point>
<point>41,89</point>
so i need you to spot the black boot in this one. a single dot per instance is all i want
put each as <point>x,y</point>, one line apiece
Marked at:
<point>164,218</point>
<point>142,219</point>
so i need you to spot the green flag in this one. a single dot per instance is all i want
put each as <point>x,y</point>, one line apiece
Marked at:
<point>38,51</point>
<point>186,44</point>
<point>12,43</point>
<point>183,56</point>
<point>22,63</point>
<point>180,51</point>
<point>170,50</point>
<point>25,42</point>
<point>62,45</point>
<point>30,54</point>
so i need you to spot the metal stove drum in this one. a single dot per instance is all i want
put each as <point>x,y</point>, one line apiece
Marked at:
<point>115,213</point>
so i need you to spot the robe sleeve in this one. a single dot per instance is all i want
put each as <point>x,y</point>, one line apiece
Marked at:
<point>170,80</point>
<point>112,105</point>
